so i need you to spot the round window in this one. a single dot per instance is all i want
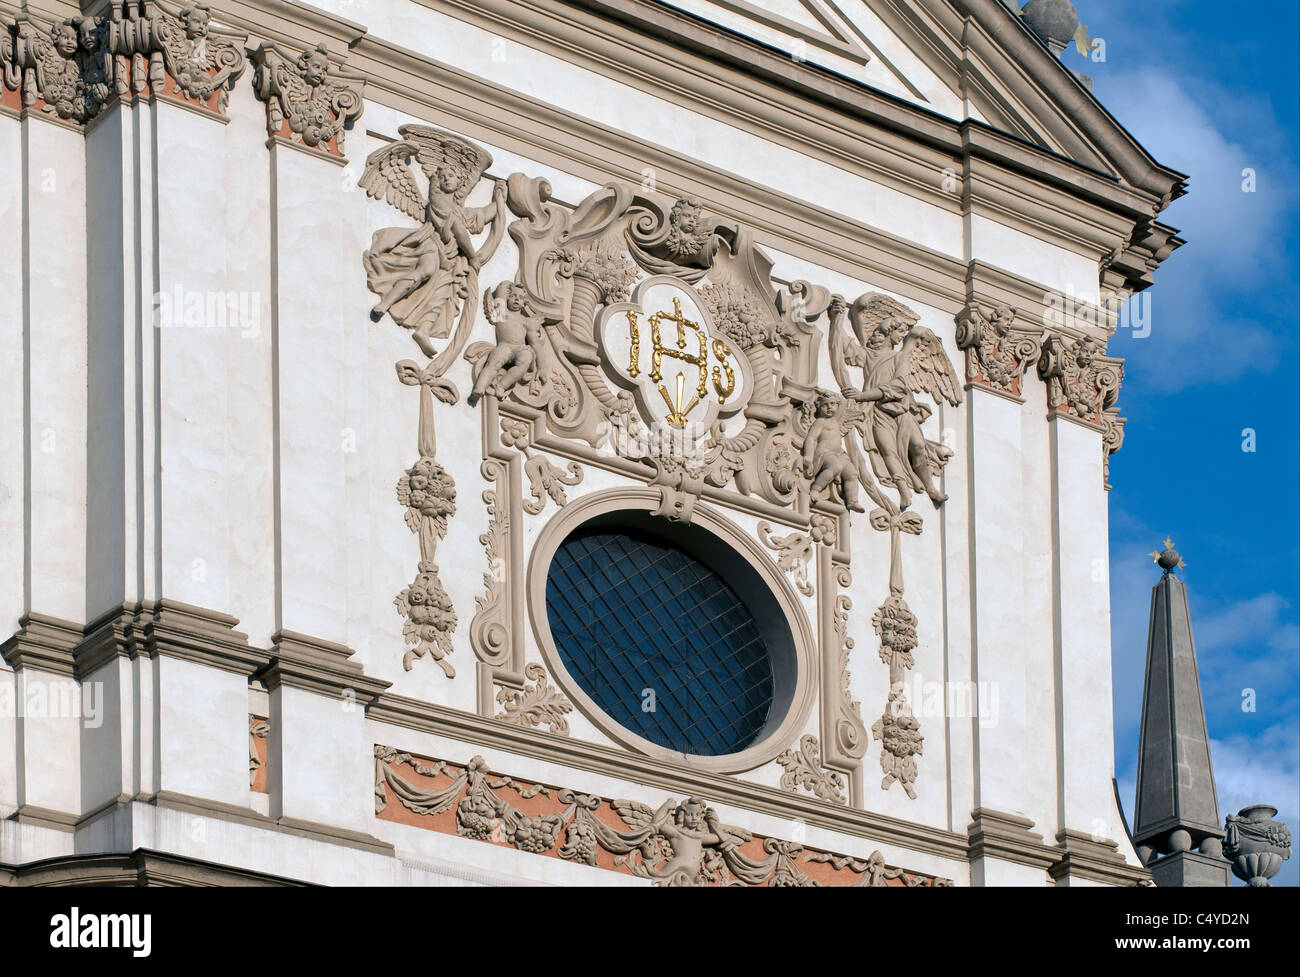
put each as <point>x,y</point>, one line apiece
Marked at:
<point>646,625</point>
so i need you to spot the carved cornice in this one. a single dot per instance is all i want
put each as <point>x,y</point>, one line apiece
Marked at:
<point>149,629</point>
<point>300,661</point>
<point>998,352</point>
<point>310,100</point>
<point>1082,381</point>
<point>1084,857</point>
<point>173,630</point>
<point>43,643</point>
<point>997,834</point>
<point>141,867</point>
<point>237,814</point>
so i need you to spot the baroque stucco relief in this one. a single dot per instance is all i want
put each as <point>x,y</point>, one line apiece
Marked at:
<point>650,340</point>
<point>72,69</point>
<point>679,844</point>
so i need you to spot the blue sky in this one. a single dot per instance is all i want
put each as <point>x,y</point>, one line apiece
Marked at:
<point>1210,89</point>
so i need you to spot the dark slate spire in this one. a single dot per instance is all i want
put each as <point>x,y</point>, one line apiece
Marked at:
<point>1177,807</point>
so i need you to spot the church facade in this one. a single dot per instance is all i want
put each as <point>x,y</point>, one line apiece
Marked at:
<point>560,442</point>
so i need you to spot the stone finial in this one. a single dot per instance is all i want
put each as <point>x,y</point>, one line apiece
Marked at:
<point>1055,21</point>
<point>1168,558</point>
<point>1177,805</point>
<point>1256,844</point>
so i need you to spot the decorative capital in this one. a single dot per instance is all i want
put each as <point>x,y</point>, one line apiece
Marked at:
<point>72,69</point>
<point>1082,381</point>
<point>998,352</point>
<point>310,101</point>
<point>62,70</point>
<point>175,53</point>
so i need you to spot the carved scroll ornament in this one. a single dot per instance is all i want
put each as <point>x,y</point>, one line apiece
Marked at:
<point>678,844</point>
<point>73,68</point>
<point>309,101</point>
<point>648,338</point>
<point>998,352</point>
<point>1082,381</point>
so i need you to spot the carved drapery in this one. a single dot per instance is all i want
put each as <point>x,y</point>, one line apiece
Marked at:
<point>679,844</point>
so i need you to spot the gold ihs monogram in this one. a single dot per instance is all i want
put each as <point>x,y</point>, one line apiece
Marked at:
<point>679,407</point>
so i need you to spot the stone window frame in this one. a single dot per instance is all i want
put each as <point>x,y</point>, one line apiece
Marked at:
<point>795,659</point>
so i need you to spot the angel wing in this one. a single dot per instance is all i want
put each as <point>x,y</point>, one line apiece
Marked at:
<point>636,814</point>
<point>387,177</point>
<point>853,416</point>
<point>435,149</point>
<point>871,309</point>
<point>927,368</point>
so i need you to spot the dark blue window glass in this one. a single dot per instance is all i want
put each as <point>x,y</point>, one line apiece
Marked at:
<point>630,612</point>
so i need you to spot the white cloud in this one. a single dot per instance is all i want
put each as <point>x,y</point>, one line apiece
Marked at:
<point>1198,334</point>
<point>1262,769</point>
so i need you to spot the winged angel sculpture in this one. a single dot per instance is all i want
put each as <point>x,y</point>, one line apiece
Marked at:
<point>424,275</point>
<point>898,359</point>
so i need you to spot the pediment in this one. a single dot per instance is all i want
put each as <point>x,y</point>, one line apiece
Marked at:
<point>962,59</point>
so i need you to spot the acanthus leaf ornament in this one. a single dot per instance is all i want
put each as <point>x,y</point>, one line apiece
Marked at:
<point>998,352</point>
<point>176,53</point>
<point>795,552</point>
<point>535,705</point>
<point>803,769</point>
<point>309,101</point>
<point>1082,381</point>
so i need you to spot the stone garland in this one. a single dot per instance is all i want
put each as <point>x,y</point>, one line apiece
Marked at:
<point>680,844</point>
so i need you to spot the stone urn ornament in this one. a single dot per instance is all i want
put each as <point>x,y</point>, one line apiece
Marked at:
<point>1256,844</point>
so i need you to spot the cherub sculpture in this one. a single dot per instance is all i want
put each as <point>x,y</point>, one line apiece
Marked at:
<point>824,459</point>
<point>521,344</point>
<point>201,61</point>
<point>423,276</point>
<point>898,359</point>
<point>691,843</point>
<point>308,95</point>
<point>71,70</point>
